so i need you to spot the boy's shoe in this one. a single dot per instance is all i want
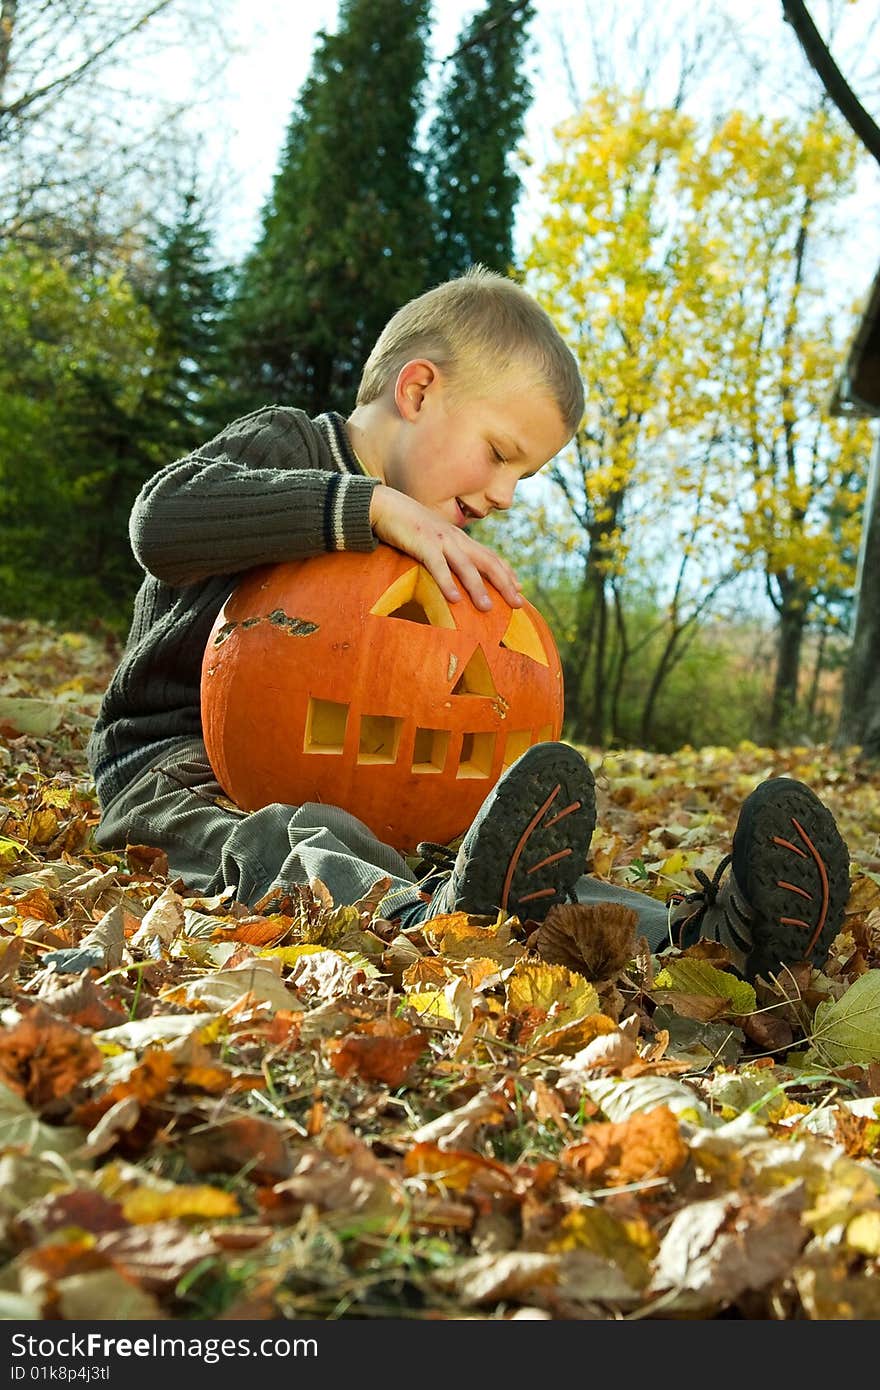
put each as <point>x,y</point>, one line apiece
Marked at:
<point>527,846</point>
<point>784,898</point>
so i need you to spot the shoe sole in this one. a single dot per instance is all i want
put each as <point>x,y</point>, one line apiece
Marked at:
<point>792,864</point>
<point>546,799</point>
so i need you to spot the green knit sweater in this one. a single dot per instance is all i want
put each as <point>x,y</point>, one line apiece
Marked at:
<point>275,485</point>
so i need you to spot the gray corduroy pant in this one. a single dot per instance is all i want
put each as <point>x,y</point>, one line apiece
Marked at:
<point>177,805</point>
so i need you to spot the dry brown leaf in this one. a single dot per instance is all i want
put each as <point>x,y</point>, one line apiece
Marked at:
<point>646,1145</point>
<point>119,1119</point>
<point>80,1207</point>
<point>147,861</point>
<point>82,1001</point>
<point>38,904</point>
<point>101,1294</point>
<point>332,1183</point>
<point>165,919</point>
<point>109,936</point>
<point>715,1250</point>
<point>239,1143</point>
<point>598,940</point>
<point>457,1128</point>
<point>325,973</point>
<point>43,1057</point>
<point>377,1052</point>
<point>156,1256</point>
<point>10,960</point>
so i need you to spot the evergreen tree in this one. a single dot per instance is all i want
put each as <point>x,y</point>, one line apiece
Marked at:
<point>480,120</point>
<point>187,295</point>
<point>346,232</point>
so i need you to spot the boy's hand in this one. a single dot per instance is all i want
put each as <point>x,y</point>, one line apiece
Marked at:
<point>446,551</point>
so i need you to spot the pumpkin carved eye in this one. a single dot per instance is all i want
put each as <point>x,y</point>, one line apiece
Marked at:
<point>373,693</point>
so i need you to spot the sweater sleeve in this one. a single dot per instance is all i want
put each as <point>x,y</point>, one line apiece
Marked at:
<point>265,489</point>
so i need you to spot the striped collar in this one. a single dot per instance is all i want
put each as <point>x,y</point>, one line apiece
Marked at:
<point>335,432</point>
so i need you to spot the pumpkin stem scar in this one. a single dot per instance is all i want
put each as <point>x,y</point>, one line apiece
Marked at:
<point>295,627</point>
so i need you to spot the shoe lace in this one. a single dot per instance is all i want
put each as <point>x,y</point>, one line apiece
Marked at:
<point>435,861</point>
<point>688,929</point>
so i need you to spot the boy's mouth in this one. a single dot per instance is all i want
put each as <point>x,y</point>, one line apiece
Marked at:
<point>468,513</point>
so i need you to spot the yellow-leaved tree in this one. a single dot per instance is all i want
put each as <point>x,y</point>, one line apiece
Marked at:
<point>673,260</point>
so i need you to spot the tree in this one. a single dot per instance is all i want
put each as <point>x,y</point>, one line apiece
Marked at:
<point>620,264</point>
<point>674,260</point>
<point>65,78</point>
<point>479,122</point>
<point>75,352</point>
<point>860,707</point>
<point>802,472</point>
<point>346,232</point>
<point>187,296</point>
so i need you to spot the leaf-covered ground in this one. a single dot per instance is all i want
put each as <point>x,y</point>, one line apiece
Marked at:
<point>213,1112</point>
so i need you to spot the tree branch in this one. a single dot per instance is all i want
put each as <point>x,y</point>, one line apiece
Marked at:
<point>486,29</point>
<point>835,84</point>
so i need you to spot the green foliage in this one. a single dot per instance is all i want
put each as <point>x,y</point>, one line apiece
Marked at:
<point>480,119</point>
<point>187,296</point>
<point>346,232</point>
<point>75,351</point>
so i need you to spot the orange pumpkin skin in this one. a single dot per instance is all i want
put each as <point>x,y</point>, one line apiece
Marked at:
<point>348,679</point>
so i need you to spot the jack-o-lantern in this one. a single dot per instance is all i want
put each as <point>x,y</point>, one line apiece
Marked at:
<point>348,679</point>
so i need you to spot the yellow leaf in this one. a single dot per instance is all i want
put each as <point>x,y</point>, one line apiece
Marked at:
<point>687,976</point>
<point>10,852</point>
<point>552,989</point>
<point>143,1205</point>
<point>431,1004</point>
<point>863,1233</point>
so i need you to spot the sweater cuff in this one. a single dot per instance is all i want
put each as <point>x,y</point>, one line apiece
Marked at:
<point>349,521</point>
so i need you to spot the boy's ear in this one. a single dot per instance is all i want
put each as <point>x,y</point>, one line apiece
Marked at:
<point>414,381</point>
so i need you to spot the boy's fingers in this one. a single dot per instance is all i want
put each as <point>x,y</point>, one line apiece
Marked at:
<point>472,580</point>
<point>500,575</point>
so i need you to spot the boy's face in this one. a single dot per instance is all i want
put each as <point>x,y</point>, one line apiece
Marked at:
<point>462,455</point>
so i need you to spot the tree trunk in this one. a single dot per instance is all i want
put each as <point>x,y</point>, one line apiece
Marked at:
<point>860,710</point>
<point>576,660</point>
<point>595,716</point>
<point>792,622</point>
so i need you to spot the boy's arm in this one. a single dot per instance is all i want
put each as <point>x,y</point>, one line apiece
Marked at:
<point>263,490</point>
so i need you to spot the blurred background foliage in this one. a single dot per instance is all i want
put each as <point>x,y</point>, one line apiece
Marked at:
<point>695,550</point>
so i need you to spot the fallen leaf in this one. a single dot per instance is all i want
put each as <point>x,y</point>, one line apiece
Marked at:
<point>642,1147</point>
<point>164,920</point>
<point>848,1029</point>
<point>597,940</point>
<point>43,1057</point>
<point>145,1205</point>
<point>239,1143</point>
<point>457,1170</point>
<point>377,1052</point>
<point>715,1250</point>
<point>538,985</point>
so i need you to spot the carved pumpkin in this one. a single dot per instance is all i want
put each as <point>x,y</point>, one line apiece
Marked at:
<point>348,679</point>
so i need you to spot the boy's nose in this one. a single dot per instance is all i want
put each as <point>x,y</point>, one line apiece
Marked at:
<point>500,494</point>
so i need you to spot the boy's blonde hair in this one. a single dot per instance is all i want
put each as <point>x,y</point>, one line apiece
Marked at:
<point>477,328</point>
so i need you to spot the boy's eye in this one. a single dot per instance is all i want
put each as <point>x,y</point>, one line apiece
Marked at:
<point>497,454</point>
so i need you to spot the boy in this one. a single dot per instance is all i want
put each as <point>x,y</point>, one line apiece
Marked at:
<point>469,390</point>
